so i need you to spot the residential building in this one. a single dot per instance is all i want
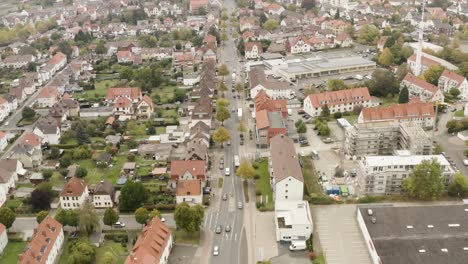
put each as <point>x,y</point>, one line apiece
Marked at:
<point>132,93</point>
<point>286,177</point>
<point>188,170</point>
<point>145,107</point>
<point>197,150</point>
<point>48,128</point>
<point>252,50</point>
<point>414,234</point>
<point>385,137</point>
<point>48,96</point>
<point>28,151</point>
<point>263,102</point>
<point>45,245</point>
<point>153,245</point>
<point>194,5</point>
<point>268,125</point>
<point>74,194</point>
<point>189,191</point>
<point>427,61</point>
<point>274,89</point>
<point>338,101</point>
<point>449,80</point>
<point>421,89</point>
<point>203,111</point>
<point>293,220</point>
<point>10,169</point>
<point>103,195</point>
<point>3,140</point>
<point>414,112</point>
<point>3,238</point>
<point>17,61</point>
<point>4,109</point>
<point>298,45</point>
<point>385,174</point>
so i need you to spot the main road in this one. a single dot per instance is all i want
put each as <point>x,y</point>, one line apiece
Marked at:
<point>232,245</point>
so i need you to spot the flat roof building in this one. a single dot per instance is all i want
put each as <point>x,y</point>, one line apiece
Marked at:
<point>293,220</point>
<point>415,234</point>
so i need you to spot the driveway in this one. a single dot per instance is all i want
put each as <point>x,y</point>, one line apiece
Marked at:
<point>339,235</point>
<point>182,254</point>
<point>266,246</point>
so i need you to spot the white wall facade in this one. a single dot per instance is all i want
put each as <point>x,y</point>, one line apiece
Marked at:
<point>102,201</point>
<point>316,111</point>
<point>368,240</point>
<point>3,240</point>
<point>54,252</point>
<point>165,255</point>
<point>190,199</point>
<point>74,202</point>
<point>289,189</point>
<point>272,93</point>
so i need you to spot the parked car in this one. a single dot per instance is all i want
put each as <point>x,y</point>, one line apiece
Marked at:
<point>119,225</point>
<point>465,161</point>
<point>225,197</point>
<point>327,140</point>
<point>240,205</point>
<point>207,190</point>
<point>227,171</point>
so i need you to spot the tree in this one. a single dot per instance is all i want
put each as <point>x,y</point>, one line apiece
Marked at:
<point>148,41</point>
<point>404,96</point>
<point>438,149</point>
<point>223,70</point>
<point>7,217</point>
<point>426,181</point>
<point>61,216</point>
<point>154,213</point>
<point>110,217</point>
<point>239,87</point>
<point>82,136</point>
<point>73,218</point>
<point>100,48</point>
<point>222,114</point>
<point>270,25</point>
<point>81,172</point>
<point>126,73</point>
<point>401,72</point>
<point>335,85</point>
<point>189,218</point>
<point>241,47</point>
<point>40,199</point>
<point>368,34</point>
<point>351,31</point>
<point>47,174</point>
<point>141,215</point>
<point>222,87</point>
<point>221,135</point>
<point>302,128</point>
<point>458,186</point>
<point>41,215</point>
<point>385,58</point>
<point>383,83</point>
<point>222,102</point>
<point>242,127</point>
<point>54,153</point>
<point>108,258</point>
<point>325,111</point>
<point>88,219</point>
<point>245,170</point>
<point>132,196</point>
<point>337,14</point>
<point>454,92</point>
<point>433,74</point>
<point>28,113</point>
<point>81,252</point>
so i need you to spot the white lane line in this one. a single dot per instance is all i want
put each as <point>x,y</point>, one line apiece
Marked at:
<point>235,237</point>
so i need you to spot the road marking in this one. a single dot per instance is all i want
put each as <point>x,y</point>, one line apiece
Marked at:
<point>235,237</point>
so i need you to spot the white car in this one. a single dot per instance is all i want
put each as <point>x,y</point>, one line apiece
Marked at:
<point>227,172</point>
<point>215,251</point>
<point>465,161</point>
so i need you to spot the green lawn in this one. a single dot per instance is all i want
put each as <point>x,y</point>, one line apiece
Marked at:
<point>460,113</point>
<point>120,253</point>
<point>57,180</point>
<point>386,101</point>
<point>220,182</point>
<point>95,175</point>
<point>13,203</point>
<point>165,94</point>
<point>11,252</point>
<point>170,113</point>
<point>310,178</point>
<point>160,130</point>
<point>262,185</point>
<point>181,236</point>
<point>99,92</point>
<point>136,129</point>
<point>26,184</point>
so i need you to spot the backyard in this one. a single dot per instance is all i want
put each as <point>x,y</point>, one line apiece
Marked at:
<point>120,252</point>
<point>99,92</point>
<point>310,177</point>
<point>95,174</point>
<point>164,95</point>
<point>11,252</point>
<point>183,237</point>
<point>262,185</point>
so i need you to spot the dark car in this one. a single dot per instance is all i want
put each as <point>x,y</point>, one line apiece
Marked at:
<point>207,190</point>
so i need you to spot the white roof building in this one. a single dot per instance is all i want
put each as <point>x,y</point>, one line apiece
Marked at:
<point>293,220</point>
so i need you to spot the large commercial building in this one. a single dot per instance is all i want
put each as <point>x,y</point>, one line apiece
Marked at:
<point>294,69</point>
<point>385,137</point>
<point>385,174</point>
<point>415,234</point>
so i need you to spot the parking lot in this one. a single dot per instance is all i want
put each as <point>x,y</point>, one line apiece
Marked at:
<point>339,235</point>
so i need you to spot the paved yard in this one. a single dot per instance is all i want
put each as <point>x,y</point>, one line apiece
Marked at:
<point>182,254</point>
<point>266,246</point>
<point>339,235</point>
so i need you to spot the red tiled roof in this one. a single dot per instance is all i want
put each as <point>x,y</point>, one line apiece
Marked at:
<point>2,135</point>
<point>264,102</point>
<point>453,76</point>
<point>150,244</point>
<point>123,102</point>
<point>420,83</point>
<point>31,139</point>
<point>48,92</point>
<point>340,97</point>
<point>44,238</point>
<point>131,92</point>
<point>147,100</point>
<point>249,45</point>
<point>74,187</point>
<point>188,187</point>
<point>261,117</point>
<point>57,58</point>
<point>399,111</point>
<point>209,39</point>
<point>195,167</point>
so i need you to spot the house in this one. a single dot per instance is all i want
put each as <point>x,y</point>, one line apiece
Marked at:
<point>268,125</point>
<point>247,23</point>
<point>103,195</point>
<point>194,5</point>
<point>203,111</point>
<point>3,238</point>
<point>74,194</point>
<point>17,61</point>
<point>210,40</point>
<point>58,62</point>
<point>3,140</point>
<point>336,26</point>
<point>153,245</point>
<point>48,128</point>
<point>414,112</point>
<point>343,40</point>
<point>273,9</point>
<point>4,109</point>
<point>125,56</point>
<point>45,244</point>
<point>188,170</point>
<point>338,101</point>
<point>252,50</point>
<point>201,131</point>
<point>9,171</point>
<point>28,151</point>
<point>104,159</point>
<point>132,93</point>
<point>123,108</point>
<point>189,191</point>
<point>196,149</point>
<point>293,220</point>
<point>298,45</point>
<point>421,89</point>
<point>286,176</point>
<point>48,96</point>
<point>274,89</point>
<point>145,107</point>
<point>449,80</point>
<point>129,168</point>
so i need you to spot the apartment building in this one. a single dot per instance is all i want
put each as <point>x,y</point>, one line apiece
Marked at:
<point>74,194</point>
<point>385,174</point>
<point>385,137</point>
<point>421,89</point>
<point>449,80</point>
<point>268,125</point>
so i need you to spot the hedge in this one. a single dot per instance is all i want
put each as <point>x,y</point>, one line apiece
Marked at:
<point>64,146</point>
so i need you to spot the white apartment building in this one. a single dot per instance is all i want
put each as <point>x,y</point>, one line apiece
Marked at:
<point>298,45</point>
<point>421,89</point>
<point>3,238</point>
<point>338,101</point>
<point>252,50</point>
<point>385,174</point>
<point>449,80</point>
<point>293,220</point>
<point>74,194</point>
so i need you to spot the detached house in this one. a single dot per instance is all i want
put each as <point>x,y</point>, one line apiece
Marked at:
<point>74,194</point>
<point>28,151</point>
<point>145,107</point>
<point>425,91</point>
<point>188,170</point>
<point>47,97</point>
<point>9,171</point>
<point>17,61</point>
<point>48,128</point>
<point>449,80</point>
<point>298,45</point>
<point>189,191</point>
<point>132,93</point>
<point>252,50</point>
<point>45,244</point>
<point>103,195</point>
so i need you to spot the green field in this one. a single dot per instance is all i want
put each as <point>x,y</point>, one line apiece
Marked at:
<point>100,91</point>
<point>11,252</point>
<point>120,253</point>
<point>165,94</point>
<point>111,173</point>
<point>262,185</point>
<point>181,236</point>
<point>460,113</point>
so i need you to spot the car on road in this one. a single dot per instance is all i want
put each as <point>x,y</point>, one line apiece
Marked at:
<point>215,251</point>
<point>229,143</point>
<point>465,161</point>
<point>225,197</point>
<point>207,190</point>
<point>119,225</point>
<point>240,205</point>
<point>327,140</point>
<point>218,229</point>
<point>227,229</point>
<point>227,171</point>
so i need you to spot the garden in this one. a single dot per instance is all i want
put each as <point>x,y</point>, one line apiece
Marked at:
<point>262,186</point>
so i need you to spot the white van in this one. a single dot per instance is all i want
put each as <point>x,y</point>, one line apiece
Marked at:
<point>297,245</point>
<point>314,154</point>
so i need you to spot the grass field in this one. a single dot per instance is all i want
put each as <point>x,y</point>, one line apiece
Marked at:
<point>310,179</point>
<point>160,130</point>
<point>181,236</point>
<point>165,94</point>
<point>262,185</point>
<point>459,113</point>
<point>99,92</point>
<point>111,173</point>
<point>11,252</point>
<point>119,252</point>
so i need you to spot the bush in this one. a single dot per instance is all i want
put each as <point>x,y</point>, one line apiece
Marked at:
<point>165,207</point>
<point>369,199</point>
<point>337,115</point>
<point>117,237</point>
<point>15,239</point>
<point>258,192</point>
<point>312,255</point>
<point>64,146</point>
<point>257,176</point>
<point>310,243</point>
<point>321,199</point>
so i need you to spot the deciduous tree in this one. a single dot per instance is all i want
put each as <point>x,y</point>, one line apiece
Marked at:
<point>385,58</point>
<point>154,213</point>
<point>270,25</point>
<point>458,186</point>
<point>223,70</point>
<point>141,215</point>
<point>7,217</point>
<point>41,215</point>
<point>433,74</point>
<point>426,181</point>
<point>222,114</point>
<point>28,113</point>
<point>335,85</point>
<point>189,218</point>
<point>110,217</point>
<point>221,135</point>
<point>132,196</point>
<point>368,34</point>
<point>88,219</point>
<point>245,170</point>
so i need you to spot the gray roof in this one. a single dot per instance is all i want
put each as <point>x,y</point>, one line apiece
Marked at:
<point>48,125</point>
<point>104,187</point>
<point>401,232</point>
<point>284,159</point>
<point>275,119</point>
